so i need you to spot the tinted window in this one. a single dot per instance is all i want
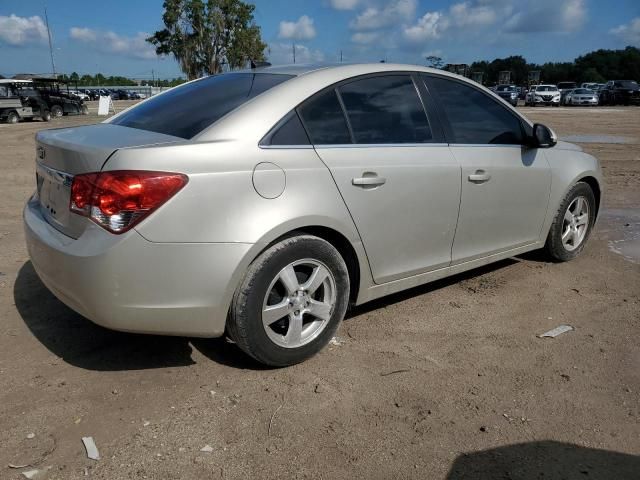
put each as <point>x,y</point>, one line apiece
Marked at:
<point>385,110</point>
<point>187,110</point>
<point>474,117</point>
<point>324,120</point>
<point>291,132</point>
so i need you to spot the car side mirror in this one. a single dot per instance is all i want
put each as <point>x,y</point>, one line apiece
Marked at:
<point>543,136</point>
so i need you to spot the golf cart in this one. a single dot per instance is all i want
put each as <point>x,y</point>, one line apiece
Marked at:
<point>20,101</point>
<point>57,95</point>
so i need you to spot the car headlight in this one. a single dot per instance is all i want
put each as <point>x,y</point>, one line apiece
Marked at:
<point>557,95</point>
<point>538,97</point>
<point>514,94</point>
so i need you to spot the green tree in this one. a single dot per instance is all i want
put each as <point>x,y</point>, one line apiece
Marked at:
<point>204,35</point>
<point>434,61</point>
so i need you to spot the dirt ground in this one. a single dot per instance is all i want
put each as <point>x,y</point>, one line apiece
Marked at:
<point>444,381</point>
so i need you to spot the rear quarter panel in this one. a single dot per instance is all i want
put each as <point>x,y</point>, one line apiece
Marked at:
<point>220,203</point>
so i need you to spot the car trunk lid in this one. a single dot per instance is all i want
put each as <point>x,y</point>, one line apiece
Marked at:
<point>63,153</point>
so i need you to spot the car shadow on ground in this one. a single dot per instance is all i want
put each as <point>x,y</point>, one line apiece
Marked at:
<point>394,298</point>
<point>545,460</point>
<point>84,344</point>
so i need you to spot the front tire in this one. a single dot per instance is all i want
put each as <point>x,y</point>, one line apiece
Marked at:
<point>291,301</point>
<point>56,111</point>
<point>572,224</point>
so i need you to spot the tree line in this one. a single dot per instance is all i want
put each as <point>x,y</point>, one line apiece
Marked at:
<point>100,80</point>
<point>598,66</point>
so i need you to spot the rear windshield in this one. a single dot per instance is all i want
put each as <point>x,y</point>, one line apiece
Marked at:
<point>546,88</point>
<point>187,110</point>
<point>506,88</point>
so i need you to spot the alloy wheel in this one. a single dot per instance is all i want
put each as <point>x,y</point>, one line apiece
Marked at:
<point>575,224</point>
<point>299,303</point>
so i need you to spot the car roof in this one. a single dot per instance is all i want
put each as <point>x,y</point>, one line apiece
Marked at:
<point>299,69</point>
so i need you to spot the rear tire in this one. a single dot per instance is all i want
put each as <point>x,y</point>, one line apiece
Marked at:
<point>56,111</point>
<point>273,312</point>
<point>46,116</point>
<point>12,117</point>
<point>572,224</point>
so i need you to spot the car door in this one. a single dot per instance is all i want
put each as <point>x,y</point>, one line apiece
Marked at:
<point>505,184</point>
<point>399,180</point>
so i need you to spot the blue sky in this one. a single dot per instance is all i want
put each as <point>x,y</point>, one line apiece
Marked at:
<point>108,37</point>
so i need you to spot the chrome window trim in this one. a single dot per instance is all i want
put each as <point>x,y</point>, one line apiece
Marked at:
<point>381,145</point>
<point>285,147</point>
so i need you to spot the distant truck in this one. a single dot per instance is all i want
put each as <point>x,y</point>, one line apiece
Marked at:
<point>56,94</point>
<point>20,101</point>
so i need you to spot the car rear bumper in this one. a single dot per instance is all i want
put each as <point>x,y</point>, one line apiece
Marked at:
<point>124,282</point>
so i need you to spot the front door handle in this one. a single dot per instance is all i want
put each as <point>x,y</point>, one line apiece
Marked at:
<point>373,181</point>
<point>479,177</point>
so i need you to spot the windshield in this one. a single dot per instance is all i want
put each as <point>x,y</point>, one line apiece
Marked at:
<point>506,88</point>
<point>626,84</point>
<point>583,91</point>
<point>546,88</point>
<point>187,110</point>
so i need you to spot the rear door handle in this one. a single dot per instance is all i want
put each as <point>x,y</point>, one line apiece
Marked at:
<point>479,177</point>
<point>369,181</point>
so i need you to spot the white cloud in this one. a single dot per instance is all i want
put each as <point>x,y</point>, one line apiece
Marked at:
<point>464,14</point>
<point>394,12</point>
<point>282,53</point>
<point>366,38</point>
<point>111,42</point>
<point>559,16</point>
<point>344,4</point>
<point>83,34</point>
<point>18,31</point>
<point>303,29</point>
<point>429,27</point>
<point>630,32</point>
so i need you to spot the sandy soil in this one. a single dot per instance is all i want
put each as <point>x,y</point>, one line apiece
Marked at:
<point>444,381</point>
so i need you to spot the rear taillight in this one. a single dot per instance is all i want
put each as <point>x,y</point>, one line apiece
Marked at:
<point>120,199</point>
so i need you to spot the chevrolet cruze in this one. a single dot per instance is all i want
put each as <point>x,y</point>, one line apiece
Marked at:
<point>262,203</point>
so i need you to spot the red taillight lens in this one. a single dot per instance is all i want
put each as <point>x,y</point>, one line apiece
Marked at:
<point>120,199</point>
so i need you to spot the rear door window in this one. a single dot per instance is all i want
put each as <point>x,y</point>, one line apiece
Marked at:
<point>324,119</point>
<point>385,110</point>
<point>474,117</point>
<point>189,109</point>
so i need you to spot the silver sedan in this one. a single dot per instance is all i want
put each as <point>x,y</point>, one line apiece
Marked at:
<point>262,203</point>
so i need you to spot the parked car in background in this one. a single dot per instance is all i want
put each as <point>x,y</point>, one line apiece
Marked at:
<point>509,93</point>
<point>620,92</point>
<point>543,95</point>
<point>92,94</point>
<point>123,94</point>
<point>590,85</point>
<point>333,205</point>
<point>564,88</point>
<point>581,96</point>
<point>79,94</point>
<point>134,96</point>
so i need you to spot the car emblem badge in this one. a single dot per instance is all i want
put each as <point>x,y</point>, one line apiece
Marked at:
<point>41,153</point>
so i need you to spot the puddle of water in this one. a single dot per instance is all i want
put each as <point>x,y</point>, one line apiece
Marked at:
<point>622,231</point>
<point>599,139</point>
